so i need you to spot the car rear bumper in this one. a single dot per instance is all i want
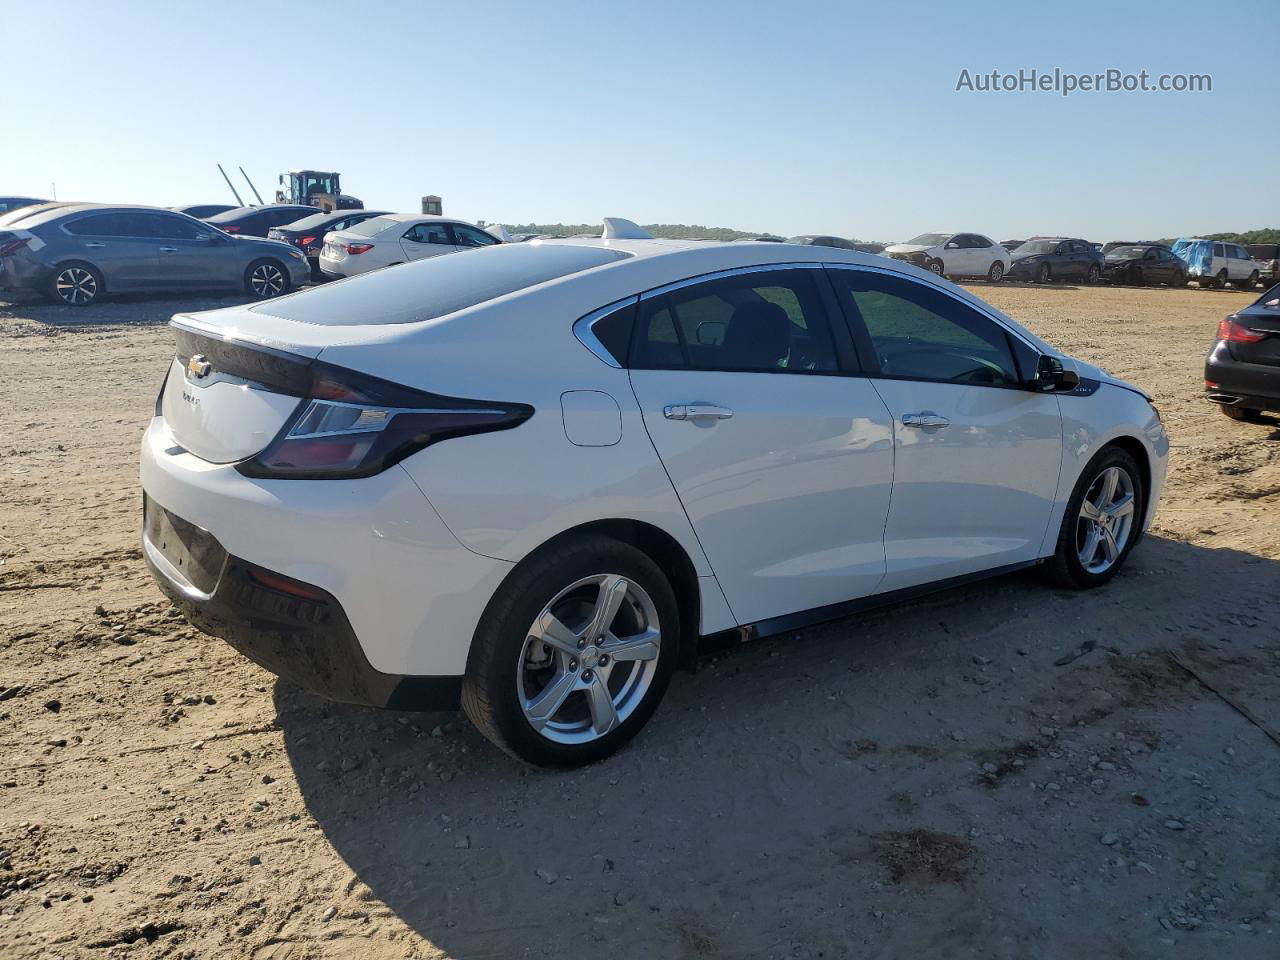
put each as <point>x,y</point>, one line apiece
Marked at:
<point>1254,386</point>
<point>401,597</point>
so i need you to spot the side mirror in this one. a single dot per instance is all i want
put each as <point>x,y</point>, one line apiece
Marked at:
<point>952,245</point>
<point>1052,377</point>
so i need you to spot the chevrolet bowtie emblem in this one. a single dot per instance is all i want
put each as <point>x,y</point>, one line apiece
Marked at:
<point>198,366</point>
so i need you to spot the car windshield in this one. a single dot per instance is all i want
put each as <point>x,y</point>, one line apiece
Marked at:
<point>930,239</point>
<point>1126,253</point>
<point>1038,246</point>
<point>370,228</point>
<point>315,220</point>
<point>437,286</point>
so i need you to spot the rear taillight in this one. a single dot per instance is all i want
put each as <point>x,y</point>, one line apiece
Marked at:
<point>1233,331</point>
<point>229,229</point>
<point>354,248</point>
<point>306,241</point>
<point>12,245</point>
<point>351,425</point>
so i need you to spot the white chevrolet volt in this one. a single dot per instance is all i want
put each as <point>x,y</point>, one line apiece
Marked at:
<point>530,480</point>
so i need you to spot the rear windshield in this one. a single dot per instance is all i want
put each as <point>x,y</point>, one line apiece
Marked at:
<point>426,289</point>
<point>370,228</point>
<point>315,220</point>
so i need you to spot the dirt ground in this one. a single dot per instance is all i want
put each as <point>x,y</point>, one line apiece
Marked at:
<point>926,781</point>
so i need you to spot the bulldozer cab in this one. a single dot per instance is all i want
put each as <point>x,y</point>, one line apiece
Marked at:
<point>314,188</point>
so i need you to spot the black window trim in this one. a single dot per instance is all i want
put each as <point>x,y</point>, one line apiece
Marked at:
<point>871,366</point>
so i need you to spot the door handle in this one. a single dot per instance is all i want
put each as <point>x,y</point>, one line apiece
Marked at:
<point>95,246</point>
<point>691,411</point>
<point>168,249</point>
<point>925,420</point>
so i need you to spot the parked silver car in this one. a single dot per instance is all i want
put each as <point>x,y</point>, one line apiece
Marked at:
<point>75,253</point>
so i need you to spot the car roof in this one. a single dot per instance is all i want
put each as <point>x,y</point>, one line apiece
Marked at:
<point>45,212</point>
<point>246,211</point>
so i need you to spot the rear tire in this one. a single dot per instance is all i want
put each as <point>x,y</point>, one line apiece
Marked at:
<point>1042,273</point>
<point>75,284</point>
<point>1179,280</point>
<point>1092,274</point>
<point>995,273</point>
<point>1068,567</point>
<point>1244,414</point>
<point>511,668</point>
<point>1221,280</point>
<point>265,279</point>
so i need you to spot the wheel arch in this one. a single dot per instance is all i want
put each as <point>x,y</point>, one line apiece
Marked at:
<point>660,547</point>
<point>1135,448</point>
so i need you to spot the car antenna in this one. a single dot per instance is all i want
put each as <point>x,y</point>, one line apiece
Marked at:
<point>239,202</point>
<point>251,186</point>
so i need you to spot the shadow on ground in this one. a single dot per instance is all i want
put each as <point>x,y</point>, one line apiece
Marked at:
<point>757,814</point>
<point>136,311</point>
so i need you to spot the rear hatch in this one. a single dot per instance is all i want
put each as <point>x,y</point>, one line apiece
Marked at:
<point>224,400</point>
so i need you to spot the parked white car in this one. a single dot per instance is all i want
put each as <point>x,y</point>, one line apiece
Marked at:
<point>954,255</point>
<point>396,238</point>
<point>1230,262</point>
<point>530,479</point>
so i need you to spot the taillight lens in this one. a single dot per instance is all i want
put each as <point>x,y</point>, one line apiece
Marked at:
<point>353,426</point>
<point>12,245</point>
<point>306,241</point>
<point>229,229</point>
<point>1233,331</point>
<point>354,248</point>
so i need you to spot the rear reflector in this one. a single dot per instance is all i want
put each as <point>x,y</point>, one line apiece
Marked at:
<point>1233,331</point>
<point>229,229</point>
<point>293,588</point>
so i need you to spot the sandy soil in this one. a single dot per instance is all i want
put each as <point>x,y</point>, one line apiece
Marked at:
<point>923,781</point>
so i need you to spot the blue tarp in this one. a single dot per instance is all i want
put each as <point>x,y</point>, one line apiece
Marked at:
<point>1198,255</point>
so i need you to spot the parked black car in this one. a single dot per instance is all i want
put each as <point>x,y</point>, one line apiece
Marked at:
<point>1055,258</point>
<point>1141,263</point>
<point>1242,370</point>
<point>76,252</point>
<point>203,211</point>
<point>821,240</point>
<point>308,233</point>
<point>1267,257</point>
<point>257,221</point>
<point>13,203</point>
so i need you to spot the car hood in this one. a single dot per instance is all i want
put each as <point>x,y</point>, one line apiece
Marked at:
<point>907,248</point>
<point>1093,372</point>
<point>1016,256</point>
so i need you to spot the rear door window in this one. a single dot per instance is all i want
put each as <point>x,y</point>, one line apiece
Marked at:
<point>766,322</point>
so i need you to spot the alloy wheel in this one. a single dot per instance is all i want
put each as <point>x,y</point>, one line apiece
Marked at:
<point>266,280</point>
<point>589,659</point>
<point>76,285</point>
<point>1105,522</point>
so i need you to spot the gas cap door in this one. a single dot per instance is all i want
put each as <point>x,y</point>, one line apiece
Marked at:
<point>592,418</point>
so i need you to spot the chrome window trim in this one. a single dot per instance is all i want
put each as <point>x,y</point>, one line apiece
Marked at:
<point>732,272</point>
<point>947,293</point>
<point>583,329</point>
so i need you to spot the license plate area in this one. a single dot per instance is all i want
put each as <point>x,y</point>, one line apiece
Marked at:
<point>193,552</point>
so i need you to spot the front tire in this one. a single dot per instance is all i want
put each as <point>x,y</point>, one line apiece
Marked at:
<point>1102,523</point>
<point>573,653</point>
<point>266,279</point>
<point>1252,282</point>
<point>75,284</point>
<point>935,267</point>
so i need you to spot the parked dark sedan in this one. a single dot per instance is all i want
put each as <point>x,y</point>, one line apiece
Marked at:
<point>822,240</point>
<point>1141,263</point>
<point>308,233</point>
<point>1055,258</point>
<point>1242,371</point>
<point>257,221</point>
<point>75,253</point>
<point>13,203</point>
<point>203,211</point>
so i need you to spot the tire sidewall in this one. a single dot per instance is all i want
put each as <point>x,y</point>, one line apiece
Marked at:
<point>1067,558</point>
<point>500,637</point>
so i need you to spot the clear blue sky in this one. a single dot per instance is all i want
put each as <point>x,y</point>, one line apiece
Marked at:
<point>795,117</point>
